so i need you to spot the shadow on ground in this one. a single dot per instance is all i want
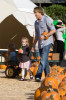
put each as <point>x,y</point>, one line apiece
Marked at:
<point>31,96</point>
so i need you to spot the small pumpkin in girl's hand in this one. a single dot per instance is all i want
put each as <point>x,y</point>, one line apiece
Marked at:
<point>20,51</point>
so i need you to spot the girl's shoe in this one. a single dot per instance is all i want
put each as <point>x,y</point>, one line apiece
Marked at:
<point>31,77</point>
<point>22,79</point>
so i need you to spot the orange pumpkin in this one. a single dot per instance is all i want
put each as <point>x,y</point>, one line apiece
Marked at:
<point>49,58</point>
<point>51,95</point>
<point>36,68</point>
<point>62,84</point>
<point>20,50</point>
<point>61,75</point>
<point>38,58</point>
<point>38,92</point>
<point>43,74</point>
<point>45,33</point>
<point>64,79</point>
<point>50,54</point>
<point>50,81</point>
<point>32,57</point>
<point>63,98</point>
<point>32,68</point>
<point>62,91</point>
<point>3,66</point>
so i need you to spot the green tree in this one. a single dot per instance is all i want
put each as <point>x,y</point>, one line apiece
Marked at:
<point>56,12</point>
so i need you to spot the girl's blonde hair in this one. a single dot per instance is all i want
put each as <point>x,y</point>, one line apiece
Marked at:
<point>27,40</point>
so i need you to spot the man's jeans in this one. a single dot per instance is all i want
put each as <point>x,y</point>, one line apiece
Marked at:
<point>37,53</point>
<point>44,65</point>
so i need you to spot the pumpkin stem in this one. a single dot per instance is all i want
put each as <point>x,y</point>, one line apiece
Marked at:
<point>65,94</point>
<point>49,90</point>
<point>65,80</point>
<point>49,84</point>
<point>51,97</point>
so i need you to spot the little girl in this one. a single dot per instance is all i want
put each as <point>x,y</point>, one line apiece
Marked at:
<point>25,62</point>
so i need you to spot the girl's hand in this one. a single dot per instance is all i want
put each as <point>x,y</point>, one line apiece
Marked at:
<point>21,51</point>
<point>33,49</point>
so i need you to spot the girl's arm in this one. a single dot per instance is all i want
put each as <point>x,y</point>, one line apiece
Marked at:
<point>61,26</point>
<point>61,30</point>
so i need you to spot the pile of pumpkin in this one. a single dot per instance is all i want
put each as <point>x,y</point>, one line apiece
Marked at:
<point>53,86</point>
<point>38,58</point>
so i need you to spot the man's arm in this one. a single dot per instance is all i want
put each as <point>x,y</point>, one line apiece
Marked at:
<point>51,27</point>
<point>51,32</point>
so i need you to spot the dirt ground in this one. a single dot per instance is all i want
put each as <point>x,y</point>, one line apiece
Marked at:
<point>13,89</point>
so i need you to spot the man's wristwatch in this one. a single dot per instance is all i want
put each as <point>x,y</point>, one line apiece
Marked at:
<point>44,36</point>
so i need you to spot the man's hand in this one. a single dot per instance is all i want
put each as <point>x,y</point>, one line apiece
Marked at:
<point>33,49</point>
<point>42,37</point>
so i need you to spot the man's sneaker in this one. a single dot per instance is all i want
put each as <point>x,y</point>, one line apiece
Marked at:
<point>38,80</point>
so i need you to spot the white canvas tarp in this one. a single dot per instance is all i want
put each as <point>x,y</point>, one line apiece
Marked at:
<point>6,10</point>
<point>16,22</point>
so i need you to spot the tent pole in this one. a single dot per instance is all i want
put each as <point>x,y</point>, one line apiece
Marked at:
<point>39,4</point>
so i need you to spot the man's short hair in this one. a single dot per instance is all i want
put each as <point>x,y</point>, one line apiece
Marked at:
<point>40,10</point>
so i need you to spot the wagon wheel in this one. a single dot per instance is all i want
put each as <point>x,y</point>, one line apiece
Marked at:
<point>10,72</point>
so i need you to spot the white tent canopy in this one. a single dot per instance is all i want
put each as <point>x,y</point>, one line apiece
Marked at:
<point>25,5</point>
<point>24,14</point>
<point>27,19</point>
<point>16,20</point>
<point>11,29</point>
<point>6,10</point>
<point>22,5</point>
<point>22,10</point>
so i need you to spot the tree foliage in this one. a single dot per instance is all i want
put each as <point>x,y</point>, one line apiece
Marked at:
<point>56,12</point>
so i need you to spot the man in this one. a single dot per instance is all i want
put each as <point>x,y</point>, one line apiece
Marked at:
<point>42,24</point>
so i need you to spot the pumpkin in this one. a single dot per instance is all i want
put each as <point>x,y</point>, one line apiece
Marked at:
<point>50,81</point>
<point>32,68</point>
<point>45,33</point>
<point>20,50</point>
<point>51,95</point>
<point>64,79</point>
<point>62,84</point>
<point>58,69</point>
<point>50,54</point>
<point>49,58</point>
<point>62,91</point>
<point>38,92</point>
<point>61,75</point>
<point>43,74</point>
<point>63,98</point>
<point>32,57</point>
<point>36,68</point>
<point>38,58</point>
<point>3,66</point>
